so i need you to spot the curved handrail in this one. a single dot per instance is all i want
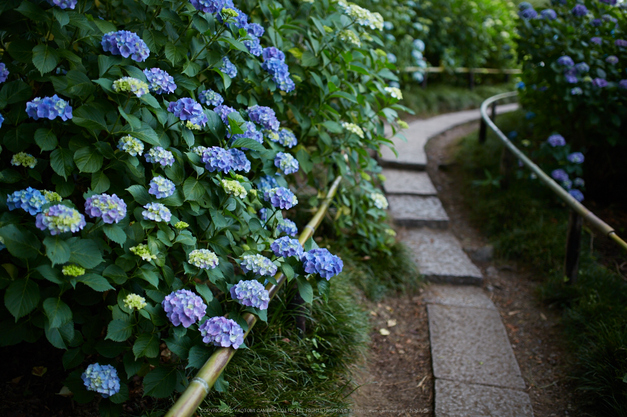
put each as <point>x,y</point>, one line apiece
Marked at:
<point>579,208</point>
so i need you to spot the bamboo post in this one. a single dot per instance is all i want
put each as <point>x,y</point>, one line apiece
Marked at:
<point>573,246</point>
<point>483,131</point>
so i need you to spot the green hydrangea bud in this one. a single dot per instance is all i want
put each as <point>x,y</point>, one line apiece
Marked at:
<point>234,188</point>
<point>24,159</point>
<point>181,225</point>
<point>142,251</point>
<point>52,197</point>
<point>73,270</point>
<point>229,13</point>
<point>192,126</point>
<point>135,301</point>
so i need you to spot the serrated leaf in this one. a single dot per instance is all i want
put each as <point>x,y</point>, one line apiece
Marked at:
<point>72,358</point>
<point>99,182</point>
<point>140,194</point>
<point>90,116</point>
<point>58,336</point>
<point>115,274</point>
<point>119,330</point>
<point>179,345</point>
<point>193,189</point>
<point>115,233</point>
<point>20,243</point>
<point>14,92</point>
<point>44,58</point>
<point>88,159</point>
<point>305,289</point>
<point>57,311</point>
<point>57,250</point>
<point>150,276</point>
<point>147,344</point>
<point>21,297</point>
<point>46,139</point>
<point>61,16</point>
<point>95,282</point>
<point>160,382</point>
<point>309,59</point>
<point>85,252</point>
<point>197,356</point>
<point>204,292</point>
<point>62,162</point>
<point>248,144</point>
<point>173,53</point>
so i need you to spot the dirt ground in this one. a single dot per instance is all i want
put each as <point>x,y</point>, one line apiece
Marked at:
<point>398,375</point>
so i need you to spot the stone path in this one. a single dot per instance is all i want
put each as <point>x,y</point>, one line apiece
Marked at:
<point>476,373</point>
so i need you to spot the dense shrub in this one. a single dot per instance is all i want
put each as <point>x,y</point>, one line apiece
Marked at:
<point>144,152</point>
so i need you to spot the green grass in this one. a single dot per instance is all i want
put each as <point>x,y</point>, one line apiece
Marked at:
<point>527,224</point>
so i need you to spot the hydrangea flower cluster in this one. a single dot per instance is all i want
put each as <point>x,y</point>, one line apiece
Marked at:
<point>255,29</point>
<point>582,67</point>
<point>274,64</point>
<point>210,98</point>
<point>135,301</point>
<point>251,293</point>
<point>127,44</point>
<point>280,197</point>
<point>599,82</point>
<point>161,187</point>
<point>621,43</point>
<point>223,111</point>
<point>351,37</point>
<point>622,84</point>
<point>596,40</point>
<point>579,10</point>
<point>286,247</point>
<point>228,67</point>
<point>264,116</point>
<point>394,92</point>
<point>157,212</point>
<point>577,91</point>
<point>353,128</point>
<point>4,72</point>
<point>565,61</point>
<point>1,120</point>
<point>250,132</point>
<point>24,159</point>
<point>180,225</point>
<point>526,11</point>
<point>288,227</point>
<point>253,45</point>
<point>143,252</point>
<point>320,261</point>
<point>130,145</point>
<point>60,219</point>
<point>548,14</point>
<point>203,259</point>
<point>110,208</point>
<point>211,6</point>
<point>183,307</point>
<point>559,175</point>
<point>556,140</point>
<point>576,194</point>
<point>102,379</point>
<point>575,158</point>
<point>286,163</point>
<point>379,201</point>
<point>188,109</point>
<point>30,200</point>
<point>225,160</point>
<point>49,108</point>
<point>223,332</point>
<point>267,183</point>
<point>158,155</point>
<point>130,85</point>
<point>612,60</point>
<point>72,270</point>
<point>258,264</point>
<point>159,81</point>
<point>234,188</point>
<point>363,17</point>
<point>287,138</point>
<point>64,4</point>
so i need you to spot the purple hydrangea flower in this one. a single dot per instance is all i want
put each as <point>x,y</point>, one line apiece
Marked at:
<point>529,13</point>
<point>159,81</point>
<point>599,82</point>
<point>1,120</point>
<point>566,61</point>
<point>240,162</point>
<point>570,76</point>
<point>280,197</point>
<point>102,379</point>
<point>577,91</point>
<point>266,183</point>
<point>548,14</point>
<point>250,132</point>
<point>575,158</point>
<point>29,200</point>
<point>111,208</point>
<point>216,158</point>
<point>286,247</point>
<point>49,108</point>
<point>263,214</point>
<point>620,43</point>
<point>211,6</point>
<point>228,68</point>
<point>253,45</point>
<point>157,212</point>
<point>320,261</point>
<point>559,175</point>
<point>223,332</point>
<point>288,227</point>
<point>576,194</point>
<point>64,4</point>
<point>255,29</point>
<point>251,293</point>
<point>610,2</point>
<point>4,72</point>
<point>622,84</point>
<point>210,98</point>
<point>279,71</point>
<point>596,40</point>
<point>161,187</point>
<point>183,307</point>
<point>264,116</point>
<point>273,53</point>
<point>258,264</point>
<point>612,60</point>
<point>127,44</point>
<point>596,22</point>
<point>286,163</point>
<point>188,109</point>
<point>158,155</point>
<point>556,140</point>
<point>60,219</point>
<point>579,10</point>
<point>582,68</point>
<point>223,111</point>
<point>241,20</point>
<point>287,138</point>
<point>203,259</point>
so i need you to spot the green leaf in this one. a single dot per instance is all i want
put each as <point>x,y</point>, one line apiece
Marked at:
<point>58,336</point>
<point>95,282</point>
<point>46,139</point>
<point>140,194</point>
<point>57,311</point>
<point>304,161</point>
<point>61,16</point>
<point>14,92</point>
<point>116,274</point>
<point>147,344</point>
<point>85,252</point>
<point>179,345</point>
<point>88,159</point>
<point>324,289</point>
<point>104,26</point>
<point>20,243</point>
<point>131,366</point>
<point>188,137</point>
<point>288,271</point>
<point>333,127</point>
<point>150,276</point>
<point>193,189</point>
<point>174,54</point>
<point>57,250</point>
<point>99,182</point>
<point>309,59</point>
<point>205,292</point>
<point>235,44</point>
<point>151,101</point>
<point>115,233</point>
<point>90,116</point>
<point>50,273</point>
<point>248,143</point>
<point>62,162</point>
<point>197,357</point>
<point>160,382</point>
<point>191,68</point>
<point>345,95</point>
<point>72,358</point>
<point>105,62</point>
<point>305,290</point>
<point>31,11</point>
<point>21,297</point>
<point>45,58</point>
<point>119,330</point>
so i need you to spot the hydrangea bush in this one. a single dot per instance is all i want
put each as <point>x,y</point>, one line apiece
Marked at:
<point>149,155</point>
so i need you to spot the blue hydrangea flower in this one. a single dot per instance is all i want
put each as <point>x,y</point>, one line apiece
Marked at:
<point>599,82</point>
<point>255,29</point>
<point>64,4</point>
<point>287,138</point>
<point>556,140</point>
<point>575,158</point>
<point>161,187</point>
<point>210,98</point>
<point>267,183</point>
<point>211,6</point>
<point>49,108</point>
<point>203,259</point>
<point>596,40</point>
<point>251,293</point>
<point>579,10</point>
<point>530,115</point>
<point>582,67</point>
<point>286,247</point>
<point>250,132</point>
<point>234,14</point>
<point>320,261</point>
<point>223,332</point>
<point>288,227</point>
<point>529,13</point>
<point>110,208</point>
<point>160,82</point>
<point>102,379</point>
<point>286,163</point>
<point>576,194</point>
<point>240,162</point>
<point>273,53</point>
<point>130,85</point>
<point>577,91</point>
<point>579,182</point>
<point>596,22</point>
<point>29,200</point>
<point>612,60</point>
<point>565,61</point>
<point>263,214</point>
<point>223,111</point>
<point>621,43</point>
<point>559,175</point>
<point>520,85</point>
<point>228,67</point>
<point>548,14</point>
<point>1,120</point>
<point>264,116</point>
<point>258,264</point>
<point>622,84</point>
<point>513,134</point>
<point>60,219</point>
<point>132,146</point>
<point>253,45</point>
<point>157,212</point>
<point>571,76</point>
<point>216,158</point>
<point>279,71</point>
<point>280,197</point>
<point>188,109</point>
<point>183,307</point>
<point>127,44</point>
<point>4,72</point>
<point>158,155</point>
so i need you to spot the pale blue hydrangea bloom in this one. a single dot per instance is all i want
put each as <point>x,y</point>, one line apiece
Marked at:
<point>60,219</point>
<point>210,98</point>
<point>287,138</point>
<point>320,261</point>
<point>130,85</point>
<point>288,227</point>
<point>559,175</point>
<point>575,158</point>
<point>203,259</point>
<point>49,108</point>
<point>264,116</point>
<point>556,140</point>
<point>102,379</point>
<point>267,183</point>
<point>286,247</point>
<point>188,109</point>
<point>223,332</point>
<point>250,132</point>
<point>158,155</point>
<point>110,208</point>
<point>577,195</point>
<point>183,307</point>
<point>286,163</point>
<point>4,72</point>
<point>127,44</point>
<point>130,145</point>
<point>161,187</point>
<point>160,82</point>
<point>29,200</point>
<point>218,159</point>
<point>228,67</point>
<point>258,264</point>
<point>250,293</point>
<point>157,212</point>
<point>211,6</point>
<point>280,197</point>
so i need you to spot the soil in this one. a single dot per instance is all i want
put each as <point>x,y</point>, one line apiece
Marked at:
<point>391,378</point>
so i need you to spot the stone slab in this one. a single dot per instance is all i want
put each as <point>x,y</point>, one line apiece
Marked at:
<point>458,296</point>
<point>457,399</point>
<point>408,182</point>
<point>470,345</point>
<point>440,258</point>
<point>415,211</point>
